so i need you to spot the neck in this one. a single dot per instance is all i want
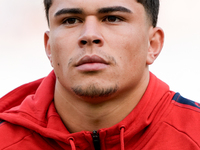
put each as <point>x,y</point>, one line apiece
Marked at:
<point>81,115</point>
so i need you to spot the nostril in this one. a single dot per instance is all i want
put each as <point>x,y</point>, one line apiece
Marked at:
<point>96,41</point>
<point>83,42</point>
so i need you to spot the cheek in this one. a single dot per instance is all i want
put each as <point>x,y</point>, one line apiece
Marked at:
<point>130,53</point>
<point>62,48</point>
<point>57,54</point>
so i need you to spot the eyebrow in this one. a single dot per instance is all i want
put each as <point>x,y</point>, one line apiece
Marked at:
<point>69,11</point>
<point>114,9</point>
<point>100,11</point>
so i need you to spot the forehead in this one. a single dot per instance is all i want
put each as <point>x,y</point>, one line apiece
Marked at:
<point>92,6</point>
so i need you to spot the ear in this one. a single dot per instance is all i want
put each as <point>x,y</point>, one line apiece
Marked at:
<point>47,46</point>
<point>156,41</point>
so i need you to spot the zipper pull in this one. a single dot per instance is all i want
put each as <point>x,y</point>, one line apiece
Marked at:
<point>96,140</point>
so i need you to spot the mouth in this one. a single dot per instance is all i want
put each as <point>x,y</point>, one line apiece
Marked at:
<point>91,63</point>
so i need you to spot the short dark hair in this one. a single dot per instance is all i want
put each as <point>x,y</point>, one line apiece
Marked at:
<point>151,7</point>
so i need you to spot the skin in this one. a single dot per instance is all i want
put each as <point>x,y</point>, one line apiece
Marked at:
<point>126,41</point>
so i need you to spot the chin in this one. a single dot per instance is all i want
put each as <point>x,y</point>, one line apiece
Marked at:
<point>94,91</point>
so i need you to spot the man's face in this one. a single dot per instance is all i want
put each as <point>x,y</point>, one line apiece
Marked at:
<point>98,48</point>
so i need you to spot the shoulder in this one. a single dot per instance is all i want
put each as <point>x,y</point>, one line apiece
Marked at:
<point>17,137</point>
<point>184,117</point>
<point>184,111</point>
<point>185,103</point>
<point>11,134</point>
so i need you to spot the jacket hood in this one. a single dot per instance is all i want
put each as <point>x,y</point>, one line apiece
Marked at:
<point>32,107</point>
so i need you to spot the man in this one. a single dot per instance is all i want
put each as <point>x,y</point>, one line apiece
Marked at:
<point>101,94</point>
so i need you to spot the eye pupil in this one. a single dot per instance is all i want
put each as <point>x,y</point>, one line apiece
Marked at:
<point>112,18</point>
<point>71,20</point>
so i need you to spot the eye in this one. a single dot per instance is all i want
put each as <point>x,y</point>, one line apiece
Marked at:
<point>71,21</point>
<point>112,19</point>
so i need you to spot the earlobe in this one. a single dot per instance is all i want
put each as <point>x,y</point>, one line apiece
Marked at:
<point>156,41</point>
<point>47,46</point>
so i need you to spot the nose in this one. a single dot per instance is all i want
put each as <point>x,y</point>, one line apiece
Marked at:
<point>91,34</point>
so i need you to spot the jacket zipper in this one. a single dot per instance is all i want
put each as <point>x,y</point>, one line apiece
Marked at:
<point>96,140</point>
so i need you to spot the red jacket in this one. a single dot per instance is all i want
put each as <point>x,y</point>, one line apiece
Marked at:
<point>160,121</point>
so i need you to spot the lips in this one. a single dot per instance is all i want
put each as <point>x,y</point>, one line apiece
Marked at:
<point>91,59</point>
<point>91,63</point>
